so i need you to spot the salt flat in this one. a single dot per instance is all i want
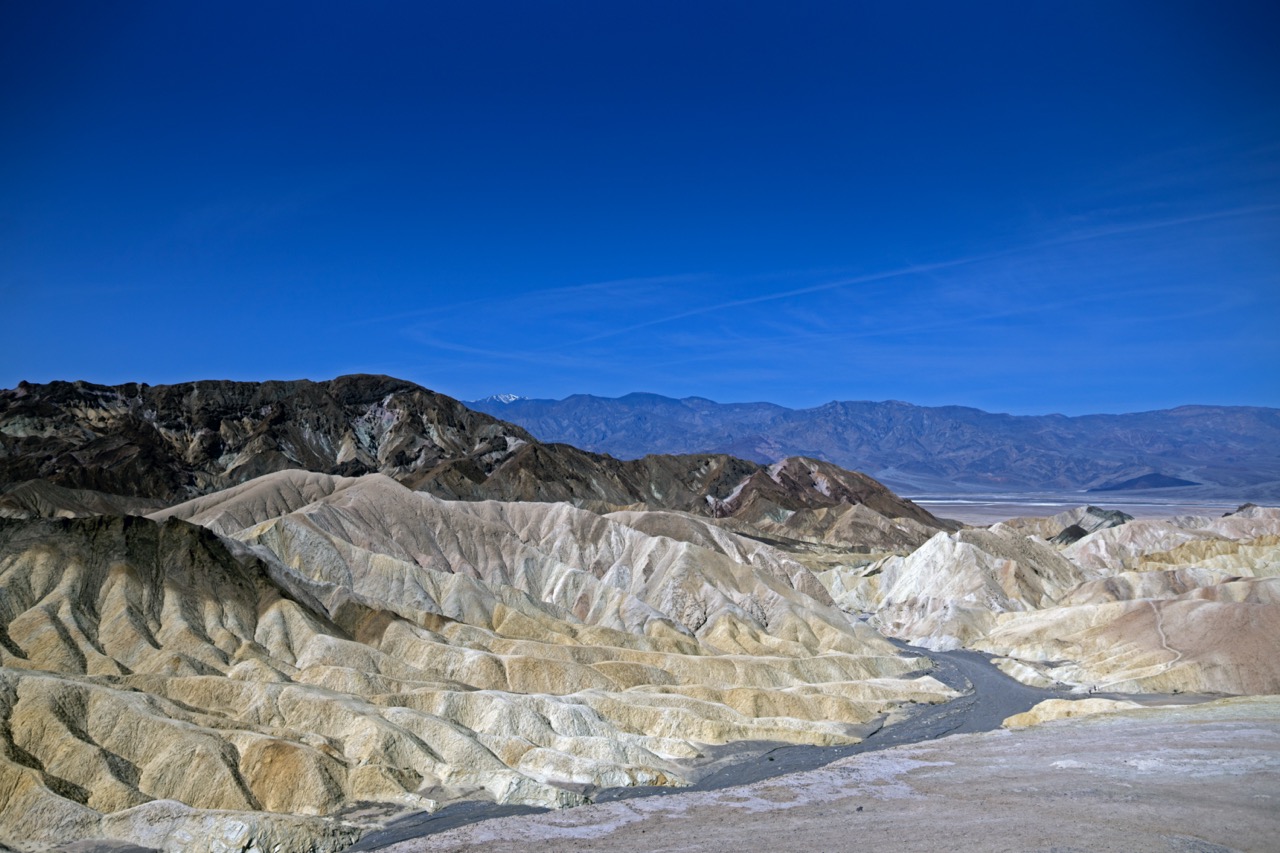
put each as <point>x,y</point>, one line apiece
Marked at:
<point>980,510</point>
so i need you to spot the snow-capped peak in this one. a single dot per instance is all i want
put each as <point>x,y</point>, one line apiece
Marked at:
<point>501,398</point>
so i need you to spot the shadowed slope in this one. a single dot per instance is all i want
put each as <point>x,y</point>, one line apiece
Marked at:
<point>42,499</point>
<point>175,441</point>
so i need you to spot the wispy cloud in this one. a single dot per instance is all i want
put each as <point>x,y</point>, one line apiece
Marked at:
<point>1077,236</point>
<point>1102,232</point>
<point>536,302</point>
<point>1085,288</point>
<point>730,304</point>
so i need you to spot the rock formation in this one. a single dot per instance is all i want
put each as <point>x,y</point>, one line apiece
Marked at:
<point>1065,709</point>
<point>1086,518</point>
<point>1143,606</point>
<point>949,592</point>
<point>325,641</point>
<point>76,448</point>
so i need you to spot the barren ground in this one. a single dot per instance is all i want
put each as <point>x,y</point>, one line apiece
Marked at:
<point>1192,778</point>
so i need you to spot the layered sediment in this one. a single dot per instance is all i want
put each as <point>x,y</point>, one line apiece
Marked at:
<point>1140,606</point>
<point>326,642</point>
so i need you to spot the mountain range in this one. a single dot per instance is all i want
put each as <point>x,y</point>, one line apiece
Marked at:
<point>75,448</point>
<point>285,615</point>
<point>940,450</point>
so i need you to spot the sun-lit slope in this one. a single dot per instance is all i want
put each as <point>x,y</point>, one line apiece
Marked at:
<point>1217,638</point>
<point>716,536</point>
<point>1189,604</point>
<point>796,501</point>
<point>1133,544</point>
<point>361,642</point>
<point>100,616</point>
<point>566,600</point>
<point>1069,526</point>
<point>949,592</point>
<point>235,508</point>
<point>408,549</point>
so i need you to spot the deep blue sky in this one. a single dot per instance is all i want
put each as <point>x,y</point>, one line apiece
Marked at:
<point>1025,207</point>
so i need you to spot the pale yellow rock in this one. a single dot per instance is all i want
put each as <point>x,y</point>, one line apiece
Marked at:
<point>1061,709</point>
<point>1087,518</point>
<point>1258,557</point>
<point>348,640</point>
<point>1216,639</point>
<point>948,593</point>
<point>1125,547</point>
<point>170,825</point>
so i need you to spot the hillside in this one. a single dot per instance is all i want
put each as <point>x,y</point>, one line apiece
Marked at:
<point>322,642</point>
<point>74,448</point>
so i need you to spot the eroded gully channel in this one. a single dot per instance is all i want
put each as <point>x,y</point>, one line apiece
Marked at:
<point>987,697</point>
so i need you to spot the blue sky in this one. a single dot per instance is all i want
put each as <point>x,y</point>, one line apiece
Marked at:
<point>1024,207</point>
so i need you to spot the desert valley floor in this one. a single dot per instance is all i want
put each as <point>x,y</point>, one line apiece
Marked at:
<point>1200,779</point>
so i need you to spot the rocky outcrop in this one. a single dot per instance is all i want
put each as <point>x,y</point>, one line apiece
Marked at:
<point>172,442</point>
<point>42,499</point>
<point>1089,520</point>
<point>1069,526</point>
<point>1064,709</point>
<point>1214,639</point>
<point>77,447</point>
<point>1189,604</point>
<point>950,591</point>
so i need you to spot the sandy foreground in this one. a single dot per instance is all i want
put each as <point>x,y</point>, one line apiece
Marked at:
<point>1192,778</point>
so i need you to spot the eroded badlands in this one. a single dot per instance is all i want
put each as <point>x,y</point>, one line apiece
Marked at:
<point>326,642</point>
<point>212,638</point>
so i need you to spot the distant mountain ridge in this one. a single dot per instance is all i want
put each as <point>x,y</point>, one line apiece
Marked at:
<point>502,398</point>
<point>947,449</point>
